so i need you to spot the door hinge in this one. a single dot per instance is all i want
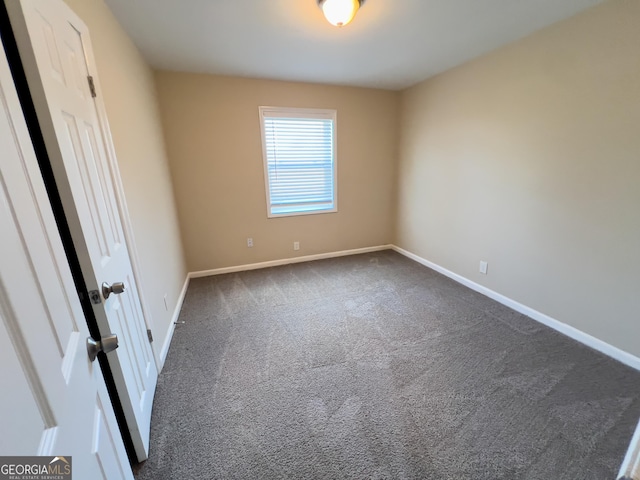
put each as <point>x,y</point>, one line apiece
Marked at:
<point>150,335</point>
<point>92,86</point>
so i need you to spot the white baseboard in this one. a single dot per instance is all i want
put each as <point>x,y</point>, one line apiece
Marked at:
<point>631,464</point>
<point>572,332</point>
<point>286,261</point>
<point>172,325</point>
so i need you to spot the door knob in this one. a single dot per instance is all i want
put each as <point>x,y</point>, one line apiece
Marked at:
<point>106,345</point>
<point>116,288</point>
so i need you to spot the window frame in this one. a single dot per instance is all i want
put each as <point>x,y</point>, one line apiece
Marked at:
<point>304,113</point>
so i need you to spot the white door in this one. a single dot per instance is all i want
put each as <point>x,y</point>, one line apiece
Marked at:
<point>54,401</point>
<point>56,51</point>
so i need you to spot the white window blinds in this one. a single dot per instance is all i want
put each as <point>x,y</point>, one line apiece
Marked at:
<point>299,160</point>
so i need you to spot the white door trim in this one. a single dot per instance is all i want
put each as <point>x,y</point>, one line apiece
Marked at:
<point>631,465</point>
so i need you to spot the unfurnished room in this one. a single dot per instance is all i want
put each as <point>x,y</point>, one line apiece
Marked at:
<point>320,239</point>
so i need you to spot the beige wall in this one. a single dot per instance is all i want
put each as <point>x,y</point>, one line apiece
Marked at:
<point>529,158</point>
<point>130,98</point>
<point>213,139</point>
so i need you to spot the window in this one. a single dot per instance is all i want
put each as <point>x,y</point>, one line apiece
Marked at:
<point>299,160</point>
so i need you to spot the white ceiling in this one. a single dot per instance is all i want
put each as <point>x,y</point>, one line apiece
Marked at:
<point>391,44</point>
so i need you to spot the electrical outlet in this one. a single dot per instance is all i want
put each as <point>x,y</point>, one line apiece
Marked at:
<point>249,242</point>
<point>166,305</point>
<point>296,245</point>
<point>483,267</point>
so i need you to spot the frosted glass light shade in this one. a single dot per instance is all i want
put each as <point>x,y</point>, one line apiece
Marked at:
<point>339,12</point>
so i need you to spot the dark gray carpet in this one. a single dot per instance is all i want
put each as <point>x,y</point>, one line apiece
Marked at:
<point>375,367</point>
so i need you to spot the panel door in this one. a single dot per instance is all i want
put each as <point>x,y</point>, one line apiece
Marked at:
<point>55,47</point>
<point>54,401</point>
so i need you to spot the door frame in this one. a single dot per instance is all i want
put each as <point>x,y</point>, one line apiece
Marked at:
<point>630,468</point>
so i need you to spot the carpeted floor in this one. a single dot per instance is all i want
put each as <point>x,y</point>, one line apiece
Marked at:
<point>375,367</point>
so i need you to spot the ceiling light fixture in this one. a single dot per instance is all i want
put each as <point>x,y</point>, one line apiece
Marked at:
<point>339,12</point>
